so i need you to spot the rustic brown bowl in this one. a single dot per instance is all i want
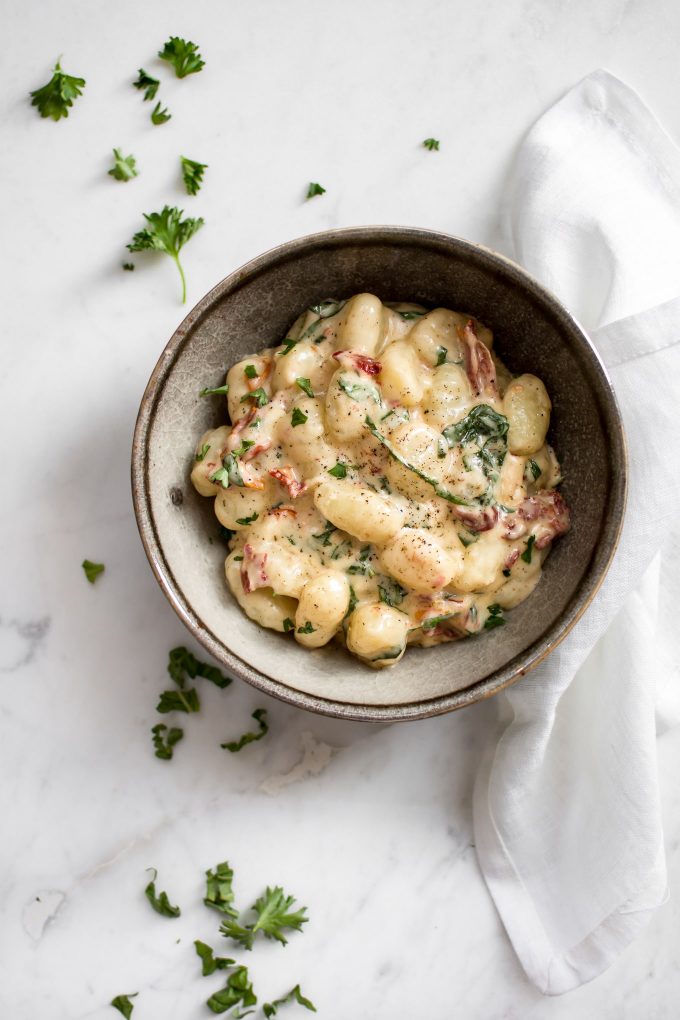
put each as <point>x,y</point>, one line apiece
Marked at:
<point>251,309</point>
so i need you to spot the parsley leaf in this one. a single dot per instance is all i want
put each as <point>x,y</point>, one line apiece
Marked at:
<point>305,385</point>
<point>210,962</point>
<point>161,904</point>
<point>146,82</point>
<point>247,520</point>
<point>192,174</point>
<point>526,555</point>
<point>238,989</point>
<point>260,716</point>
<point>298,417</point>
<point>207,392</point>
<point>434,621</point>
<point>54,99</point>
<point>481,423</point>
<point>288,625</point>
<point>92,570</point>
<point>183,56</point>
<point>441,356</point>
<point>432,144</point>
<point>535,469</point>
<point>259,397</point>
<point>315,189</point>
<point>167,232</point>
<point>129,266</point>
<point>391,593</point>
<point>495,617</point>
<point>123,1005</point>
<point>356,391</point>
<point>273,918</point>
<point>178,701</point>
<point>270,1009</point>
<point>326,308</point>
<point>306,629</point>
<point>439,490</point>
<point>160,115</point>
<point>181,661</point>
<point>325,536</point>
<point>250,372</point>
<point>289,345</point>
<point>202,452</point>
<point>352,602</point>
<point>339,471</point>
<point>164,740</point>
<point>219,893</point>
<point>124,167</point>
<point>341,549</point>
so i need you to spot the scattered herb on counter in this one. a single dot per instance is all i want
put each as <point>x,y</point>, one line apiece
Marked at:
<point>432,144</point>
<point>298,417</point>
<point>92,570</point>
<point>315,189</point>
<point>56,97</point>
<point>208,392</point>
<point>147,83</point>
<point>288,625</point>
<point>128,266</point>
<point>495,617</point>
<point>258,397</point>
<point>179,701</point>
<point>247,520</point>
<point>238,989</point>
<point>181,661</point>
<point>526,555</point>
<point>210,962</point>
<point>270,1009</point>
<point>273,918</point>
<point>124,167</point>
<point>164,740</point>
<point>219,892</point>
<point>391,592</point>
<point>167,232</point>
<point>192,174</point>
<point>260,717</point>
<point>123,1005</point>
<point>183,55</point>
<point>305,385</point>
<point>160,115</point>
<point>160,903</point>
<point>439,490</point>
<point>202,452</point>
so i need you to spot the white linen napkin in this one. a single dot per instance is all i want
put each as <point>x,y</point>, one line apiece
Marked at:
<point>567,814</point>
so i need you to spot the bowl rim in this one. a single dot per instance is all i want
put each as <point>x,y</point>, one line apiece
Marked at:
<point>500,678</point>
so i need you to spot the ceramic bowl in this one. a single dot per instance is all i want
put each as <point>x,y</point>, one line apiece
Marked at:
<point>252,309</point>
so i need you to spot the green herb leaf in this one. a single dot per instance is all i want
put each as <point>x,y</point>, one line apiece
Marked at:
<point>298,417</point>
<point>160,903</point>
<point>339,471</point>
<point>315,189</point>
<point>289,345</point>
<point>260,717</point>
<point>55,99</point>
<point>181,662</point>
<point>167,232</point>
<point>341,549</point>
<point>270,1009</point>
<point>274,916</point>
<point>391,593</point>
<point>210,962</point>
<point>442,355</point>
<point>238,989</point>
<point>250,372</point>
<point>178,701</point>
<point>535,469</point>
<point>219,893</point>
<point>434,621</point>
<point>207,392</point>
<point>480,424</point>
<point>495,617</point>
<point>408,315</point>
<point>247,520</point>
<point>202,452</point>
<point>258,397</point>
<point>432,144</point>
<point>326,308</point>
<point>288,625</point>
<point>123,1005</point>
<point>128,266</point>
<point>160,115</point>
<point>526,555</point>
<point>358,391</point>
<point>92,570</point>
<point>124,167</point>
<point>306,386</point>
<point>192,174</point>
<point>183,56</point>
<point>164,740</point>
<point>439,490</point>
<point>230,472</point>
<point>352,603</point>
<point>306,629</point>
<point>325,536</point>
<point>147,83</point>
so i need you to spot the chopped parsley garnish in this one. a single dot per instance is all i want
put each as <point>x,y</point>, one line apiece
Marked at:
<point>535,469</point>
<point>192,174</point>
<point>341,549</point>
<point>208,392</point>
<point>160,903</point>
<point>298,417</point>
<point>164,740</point>
<point>219,893</point>
<point>258,397</point>
<point>274,916</point>
<point>305,385</point>
<point>289,345</point>
<point>270,1009</point>
<point>250,372</point>
<point>229,473</point>
<point>123,1005</point>
<point>439,490</point>
<point>488,431</point>
<point>183,56</point>
<point>210,962</point>
<point>325,536</point>
<point>468,539</point>
<point>181,661</point>
<point>160,115</point>
<point>202,452</point>
<point>391,593</point>
<point>339,471</point>
<point>526,555</point>
<point>124,167</point>
<point>432,144</point>
<point>434,621</point>
<point>288,625</point>
<point>306,629</point>
<point>146,82</point>
<point>128,266</point>
<point>55,99</point>
<point>260,717</point>
<point>315,189</point>
<point>238,989</point>
<point>179,701</point>
<point>92,570</point>
<point>325,309</point>
<point>167,232</point>
<point>247,520</point>
<point>495,617</point>
<point>357,391</point>
<point>442,355</point>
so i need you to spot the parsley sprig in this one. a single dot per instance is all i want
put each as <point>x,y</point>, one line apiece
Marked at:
<point>147,83</point>
<point>160,115</point>
<point>270,1009</point>
<point>56,97</point>
<point>164,740</point>
<point>167,232</point>
<point>192,174</point>
<point>274,917</point>
<point>160,902</point>
<point>124,167</point>
<point>219,892</point>
<point>183,55</point>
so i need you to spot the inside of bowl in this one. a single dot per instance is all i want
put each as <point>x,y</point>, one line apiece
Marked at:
<point>252,311</point>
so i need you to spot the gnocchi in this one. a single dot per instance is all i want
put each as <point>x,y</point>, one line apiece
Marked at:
<point>385,480</point>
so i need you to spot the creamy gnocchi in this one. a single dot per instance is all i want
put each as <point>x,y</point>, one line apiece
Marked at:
<point>385,480</point>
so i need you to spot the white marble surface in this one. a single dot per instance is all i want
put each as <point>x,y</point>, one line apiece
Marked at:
<point>378,845</point>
